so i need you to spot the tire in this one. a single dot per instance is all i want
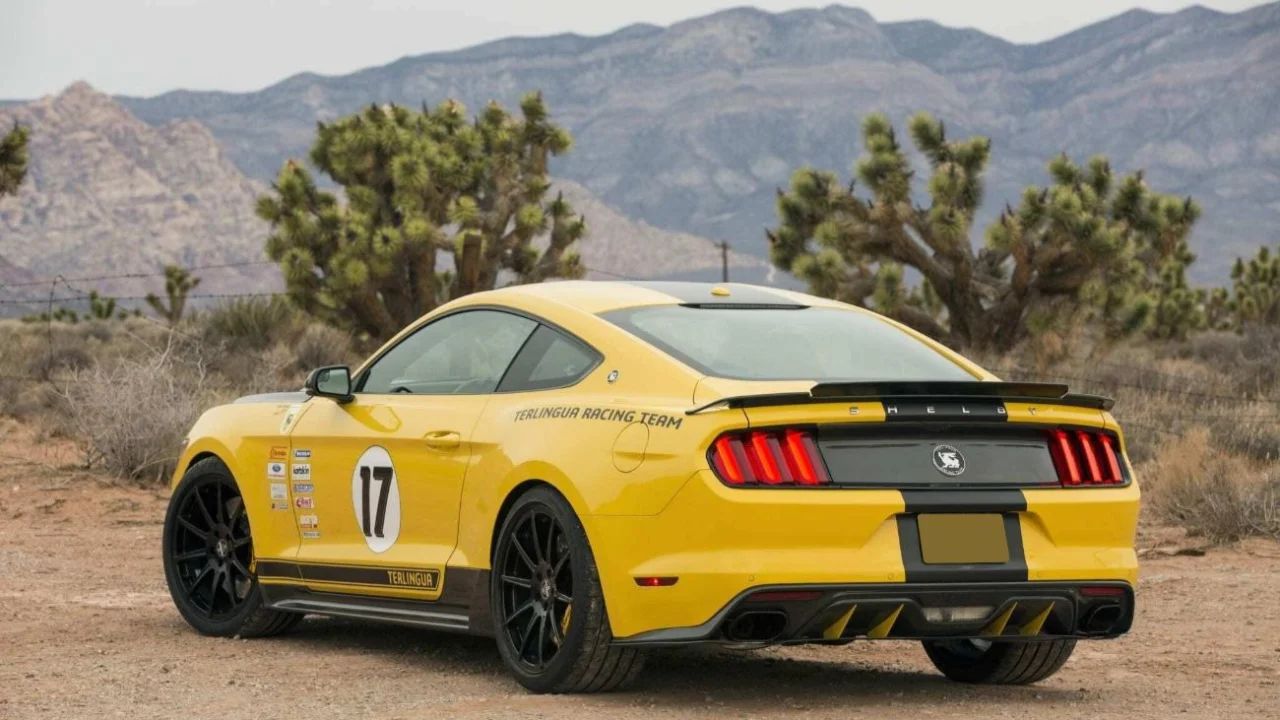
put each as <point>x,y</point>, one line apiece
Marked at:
<point>999,663</point>
<point>584,658</point>
<point>207,535</point>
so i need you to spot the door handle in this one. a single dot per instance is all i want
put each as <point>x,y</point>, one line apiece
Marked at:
<point>443,439</point>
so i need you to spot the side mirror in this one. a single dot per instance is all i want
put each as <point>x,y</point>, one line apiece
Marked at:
<point>333,381</point>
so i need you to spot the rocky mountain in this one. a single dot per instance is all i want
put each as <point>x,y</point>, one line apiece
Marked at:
<point>108,194</point>
<point>692,127</point>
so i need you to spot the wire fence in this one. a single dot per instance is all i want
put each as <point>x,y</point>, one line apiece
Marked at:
<point>81,295</point>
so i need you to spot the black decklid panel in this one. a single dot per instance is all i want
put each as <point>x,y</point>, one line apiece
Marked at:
<point>900,457</point>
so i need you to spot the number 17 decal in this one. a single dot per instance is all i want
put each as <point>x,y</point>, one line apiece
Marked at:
<point>376,499</point>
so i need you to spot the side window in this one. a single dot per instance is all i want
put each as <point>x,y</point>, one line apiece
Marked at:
<point>550,359</point>
<point>466,353</point>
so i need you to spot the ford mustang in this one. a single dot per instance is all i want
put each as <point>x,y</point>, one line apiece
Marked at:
<point>584,471</point>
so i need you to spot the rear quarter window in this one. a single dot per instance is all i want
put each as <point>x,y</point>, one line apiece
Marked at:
<point>821,344</point>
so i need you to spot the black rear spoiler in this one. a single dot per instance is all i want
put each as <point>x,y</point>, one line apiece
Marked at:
<point>939,391</point>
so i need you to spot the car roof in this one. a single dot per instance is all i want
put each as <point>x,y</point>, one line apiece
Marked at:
<point>602,296</point>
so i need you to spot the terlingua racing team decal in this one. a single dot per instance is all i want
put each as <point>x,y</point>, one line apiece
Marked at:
<point>375,496</point>
<point>619,415</point>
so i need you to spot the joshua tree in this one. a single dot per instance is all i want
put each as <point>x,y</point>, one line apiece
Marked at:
<point>420,185</point>
<point>1083,245</point>
<point>178,282</point>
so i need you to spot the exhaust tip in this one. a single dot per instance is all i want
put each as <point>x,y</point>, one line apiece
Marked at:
<point>758,626</point>
<point>1101,620</point>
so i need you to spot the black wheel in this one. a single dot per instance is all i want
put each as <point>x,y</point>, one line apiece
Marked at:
<point>548,609</point>
<point>208,557</point>
<point>999,663</point>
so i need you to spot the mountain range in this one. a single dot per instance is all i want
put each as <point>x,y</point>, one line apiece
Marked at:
<point>108,195</point>
<point>693,127</point>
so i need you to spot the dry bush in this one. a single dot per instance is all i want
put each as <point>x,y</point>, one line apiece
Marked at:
<point>131,417</point>
<point>1213,494</point>
<point>320,345</point>
<point>253,323</point>
<point>1163,391</point>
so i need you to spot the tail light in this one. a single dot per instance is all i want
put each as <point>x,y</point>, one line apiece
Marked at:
<point>769,457</point>
<point>1085,457</point>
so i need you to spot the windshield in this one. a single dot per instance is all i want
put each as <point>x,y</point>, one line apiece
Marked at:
<point>820,344</point>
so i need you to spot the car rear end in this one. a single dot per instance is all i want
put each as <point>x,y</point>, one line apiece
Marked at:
<point>902,495</point>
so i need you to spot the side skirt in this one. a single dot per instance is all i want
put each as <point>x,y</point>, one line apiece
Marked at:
<point>463,607</point>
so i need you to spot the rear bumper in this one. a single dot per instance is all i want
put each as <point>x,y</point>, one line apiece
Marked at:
<point>723,543</point>
<point>839,613</point>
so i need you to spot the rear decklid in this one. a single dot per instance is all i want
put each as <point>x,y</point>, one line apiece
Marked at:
<point>927,434</point>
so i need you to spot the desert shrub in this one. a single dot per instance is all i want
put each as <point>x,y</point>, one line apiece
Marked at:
<point>320,345</point>
<point>253,323</point>
<point>60,359</point>
<point>250,372</point>
<point>1212,494</point>
<point>130,418</point>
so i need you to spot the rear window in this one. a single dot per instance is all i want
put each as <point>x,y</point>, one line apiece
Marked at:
<point>820,344</point>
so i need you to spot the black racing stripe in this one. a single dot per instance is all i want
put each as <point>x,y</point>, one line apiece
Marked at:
<point>920,572</point>
<point>422,580</point>
<point>278,569</point>
<point>694,293</point>
<point>964,501</point>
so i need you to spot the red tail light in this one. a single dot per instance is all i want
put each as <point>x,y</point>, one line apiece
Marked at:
<point>1085,457</point>
<point>769,457</point>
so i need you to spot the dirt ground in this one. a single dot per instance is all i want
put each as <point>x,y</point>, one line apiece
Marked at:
<point>87,630</point>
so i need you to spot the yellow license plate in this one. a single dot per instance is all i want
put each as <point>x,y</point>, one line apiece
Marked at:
<point>962,539</point>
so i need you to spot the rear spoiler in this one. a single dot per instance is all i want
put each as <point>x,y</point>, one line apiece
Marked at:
<point>940,391</point>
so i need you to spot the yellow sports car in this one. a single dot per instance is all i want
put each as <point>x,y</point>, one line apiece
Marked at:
<point>586,470</point>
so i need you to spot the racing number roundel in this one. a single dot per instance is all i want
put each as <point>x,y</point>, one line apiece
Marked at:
<point>375,495</point>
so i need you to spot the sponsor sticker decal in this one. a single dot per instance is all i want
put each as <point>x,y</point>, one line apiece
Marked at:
<point>310,534</point>
<point>302,472</point>
<point>301,454</point>
<point>279,491</point>
<point>305,502</point>
<point>308,521</point>
<point>279,506</point>
<point>303,487</point>
<point>279,453</point>
<point>275,470</point>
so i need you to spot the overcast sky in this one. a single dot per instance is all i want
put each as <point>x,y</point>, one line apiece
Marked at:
<point>144,47</point>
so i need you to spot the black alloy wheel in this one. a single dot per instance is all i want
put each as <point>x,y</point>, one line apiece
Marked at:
<point>537,588</point>
<point>208,557</point>
<point>212,549</point>
<point>548,609</point>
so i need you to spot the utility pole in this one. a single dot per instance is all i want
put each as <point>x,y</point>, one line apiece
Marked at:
<point>724,260</point>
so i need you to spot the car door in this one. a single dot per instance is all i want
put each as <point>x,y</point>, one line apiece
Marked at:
<point>376,482</point>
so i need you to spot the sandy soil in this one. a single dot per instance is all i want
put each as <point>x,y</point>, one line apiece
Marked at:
<point>87,631</point>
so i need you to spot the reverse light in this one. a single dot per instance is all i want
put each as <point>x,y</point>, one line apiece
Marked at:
<point>957,614</point>
<point>1085,457</point>
<point>780,458</point>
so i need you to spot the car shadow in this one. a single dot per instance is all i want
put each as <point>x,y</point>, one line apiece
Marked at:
<point>762,680</point>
